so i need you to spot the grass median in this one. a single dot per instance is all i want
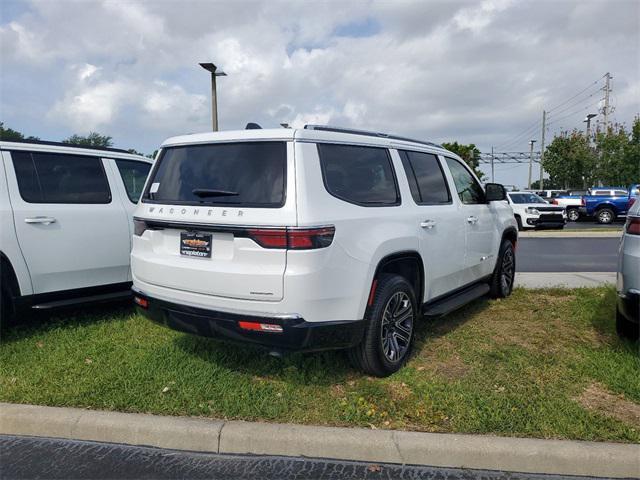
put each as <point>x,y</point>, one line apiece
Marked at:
<point>542,363</point>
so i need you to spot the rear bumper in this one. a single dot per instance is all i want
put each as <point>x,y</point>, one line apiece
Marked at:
<point>629,306</point>
<point>296,335</point>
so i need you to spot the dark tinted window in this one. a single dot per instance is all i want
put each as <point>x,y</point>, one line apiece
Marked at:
<point>360,175</point>
<point>133,174</point>
<point>60,178</point>
<point>426,179</point>
<point>469,190</point>
<point>242,174</point>
<point>526,198</point>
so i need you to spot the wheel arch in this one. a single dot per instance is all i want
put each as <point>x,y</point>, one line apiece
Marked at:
<point>8,277</point>
<point>408,264</point>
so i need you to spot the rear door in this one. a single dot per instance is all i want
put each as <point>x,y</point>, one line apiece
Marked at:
<point>71,231</point>
<point>215,218</point>
<point>442,237</point>
<point>479,223</point>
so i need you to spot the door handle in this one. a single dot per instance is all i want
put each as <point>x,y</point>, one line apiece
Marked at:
<point>43,220</point>
<point>472,220</point>
<point>428,224</point>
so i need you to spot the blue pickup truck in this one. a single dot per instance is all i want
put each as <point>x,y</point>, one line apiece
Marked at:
<point>606,208</point>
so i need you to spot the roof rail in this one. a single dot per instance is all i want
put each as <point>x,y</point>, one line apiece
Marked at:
<point>62,144</point>
<point>328,128</point>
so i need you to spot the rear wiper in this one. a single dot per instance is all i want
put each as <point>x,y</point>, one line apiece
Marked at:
<point>208,192</point>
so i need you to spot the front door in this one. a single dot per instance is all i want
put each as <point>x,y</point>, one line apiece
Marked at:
<point>478,221</point>
<point>72,232</point>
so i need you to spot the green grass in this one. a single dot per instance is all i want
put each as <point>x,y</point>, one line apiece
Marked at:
<point>507,367</point>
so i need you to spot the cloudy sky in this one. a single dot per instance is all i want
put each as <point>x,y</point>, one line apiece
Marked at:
<point>472,71</point>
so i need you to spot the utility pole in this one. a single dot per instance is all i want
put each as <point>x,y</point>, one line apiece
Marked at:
<point>605,109</point>
<point>493,175</point>
<point>210,67</point>
<point>587,120</point>
<point>531,142</point>
<point>544,128</point>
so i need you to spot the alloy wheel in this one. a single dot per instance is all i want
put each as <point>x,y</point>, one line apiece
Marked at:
<point>573,215</point>
<point>605,216</point>
<point>397,326</point>
<point>507,271</point>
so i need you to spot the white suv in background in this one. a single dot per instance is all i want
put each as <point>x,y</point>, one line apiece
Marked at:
<point>316,238</point>
<point>532,211</point>
<point>66,216</point>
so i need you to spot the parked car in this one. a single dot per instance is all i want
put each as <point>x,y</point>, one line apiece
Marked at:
<point>316,238</point>
<point>628,278</point>
<point>66,216</point>
<point>572,202</point>
<point>548,194</point>
<point>606,208</point>
<point>531,211</point>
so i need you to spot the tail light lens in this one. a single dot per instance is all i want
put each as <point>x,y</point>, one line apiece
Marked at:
<point>632,200</point>
<point>583,201</point>
<point>554,202</point>
<point>293,238</point>
<point>139,227</point>
<point>633,226</point>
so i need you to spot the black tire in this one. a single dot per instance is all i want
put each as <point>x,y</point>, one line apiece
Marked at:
<point>7,307</point>
<point>625,328</point>
<point>504,274</point>
<point>385,348</point>
<point>573,214</point>
<point>519,222</point>
<point>605,216</point>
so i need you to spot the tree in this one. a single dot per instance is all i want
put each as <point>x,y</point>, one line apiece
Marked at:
<point>94,139</point>
<point>549,184</point>
<point>570,161</point>
<point>469,153</point>
<point>11,135</point>
<point>619,155</point>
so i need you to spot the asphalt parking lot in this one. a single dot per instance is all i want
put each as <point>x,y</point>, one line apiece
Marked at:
<point>567,254</point>
<point>31,457</point>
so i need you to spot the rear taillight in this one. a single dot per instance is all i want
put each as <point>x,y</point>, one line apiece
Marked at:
<point>293,238</point>
<point>583,202</point>
<point>632,200</point>
<point>554,202</point>
<point>139,227</point>
<point>633,226</point>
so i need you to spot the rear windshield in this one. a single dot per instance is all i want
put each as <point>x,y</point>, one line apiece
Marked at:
<point>248,174</point>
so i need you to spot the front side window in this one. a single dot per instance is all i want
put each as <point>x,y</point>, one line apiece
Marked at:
<point>360,175</point>
<point>426,178</point>
<point>60,178</point>
<point>133,174</point>
<point>468,188</point>
<point>248,174</point>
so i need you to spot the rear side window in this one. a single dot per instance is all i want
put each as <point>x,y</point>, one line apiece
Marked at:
<point>250,174</point>
<point>426,178</point>
<point>133,174</point>
<point>60,178</point>
<point>624,193</point>
<point>360,175</point>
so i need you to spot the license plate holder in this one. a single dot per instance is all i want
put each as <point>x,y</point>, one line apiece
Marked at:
<point>195,244</point>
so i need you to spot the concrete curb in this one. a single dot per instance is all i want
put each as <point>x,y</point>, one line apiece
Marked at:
<point>569,234</point>
<point>564,279</point>
<point>384,446</point>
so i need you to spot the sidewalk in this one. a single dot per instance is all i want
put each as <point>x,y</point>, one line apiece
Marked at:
<point>564,279</point>
<point>385,446</point>
<point>570,234</point>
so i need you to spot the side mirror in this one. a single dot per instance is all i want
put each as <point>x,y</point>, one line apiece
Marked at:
<point>495,192</point>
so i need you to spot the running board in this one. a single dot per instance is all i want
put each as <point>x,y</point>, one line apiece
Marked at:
<point>457,300</point>
<point>104,297</point>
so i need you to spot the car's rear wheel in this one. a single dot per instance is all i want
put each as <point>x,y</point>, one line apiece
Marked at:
<point>389,335</point>
<point>625,328</point>
<point>573,215</point>
<point>605,216</point>
<point>7,306</point>
<point>505,272</point>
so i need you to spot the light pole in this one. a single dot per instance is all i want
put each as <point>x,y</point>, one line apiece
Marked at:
<point>531,142</point>
<point>588,122</point>
<point>210,67</point>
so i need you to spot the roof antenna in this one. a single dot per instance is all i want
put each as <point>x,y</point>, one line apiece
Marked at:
<point>252,126</point>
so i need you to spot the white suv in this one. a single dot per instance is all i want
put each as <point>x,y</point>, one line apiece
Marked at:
<point>316,238</point>
<point>66,224</point>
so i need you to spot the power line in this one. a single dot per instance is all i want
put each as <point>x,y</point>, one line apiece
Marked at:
<point>568,107</point>
<point>515,140</point>
<point>581,91</point>
<point>573,113</point>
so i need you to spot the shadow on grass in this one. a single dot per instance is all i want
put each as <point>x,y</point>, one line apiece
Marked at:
<point>318,368</point>
<point>39,322</point>
<point>603,319</point>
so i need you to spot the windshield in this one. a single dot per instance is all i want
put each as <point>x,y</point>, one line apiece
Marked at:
<point>526,198</point>
<point>250,174</point>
